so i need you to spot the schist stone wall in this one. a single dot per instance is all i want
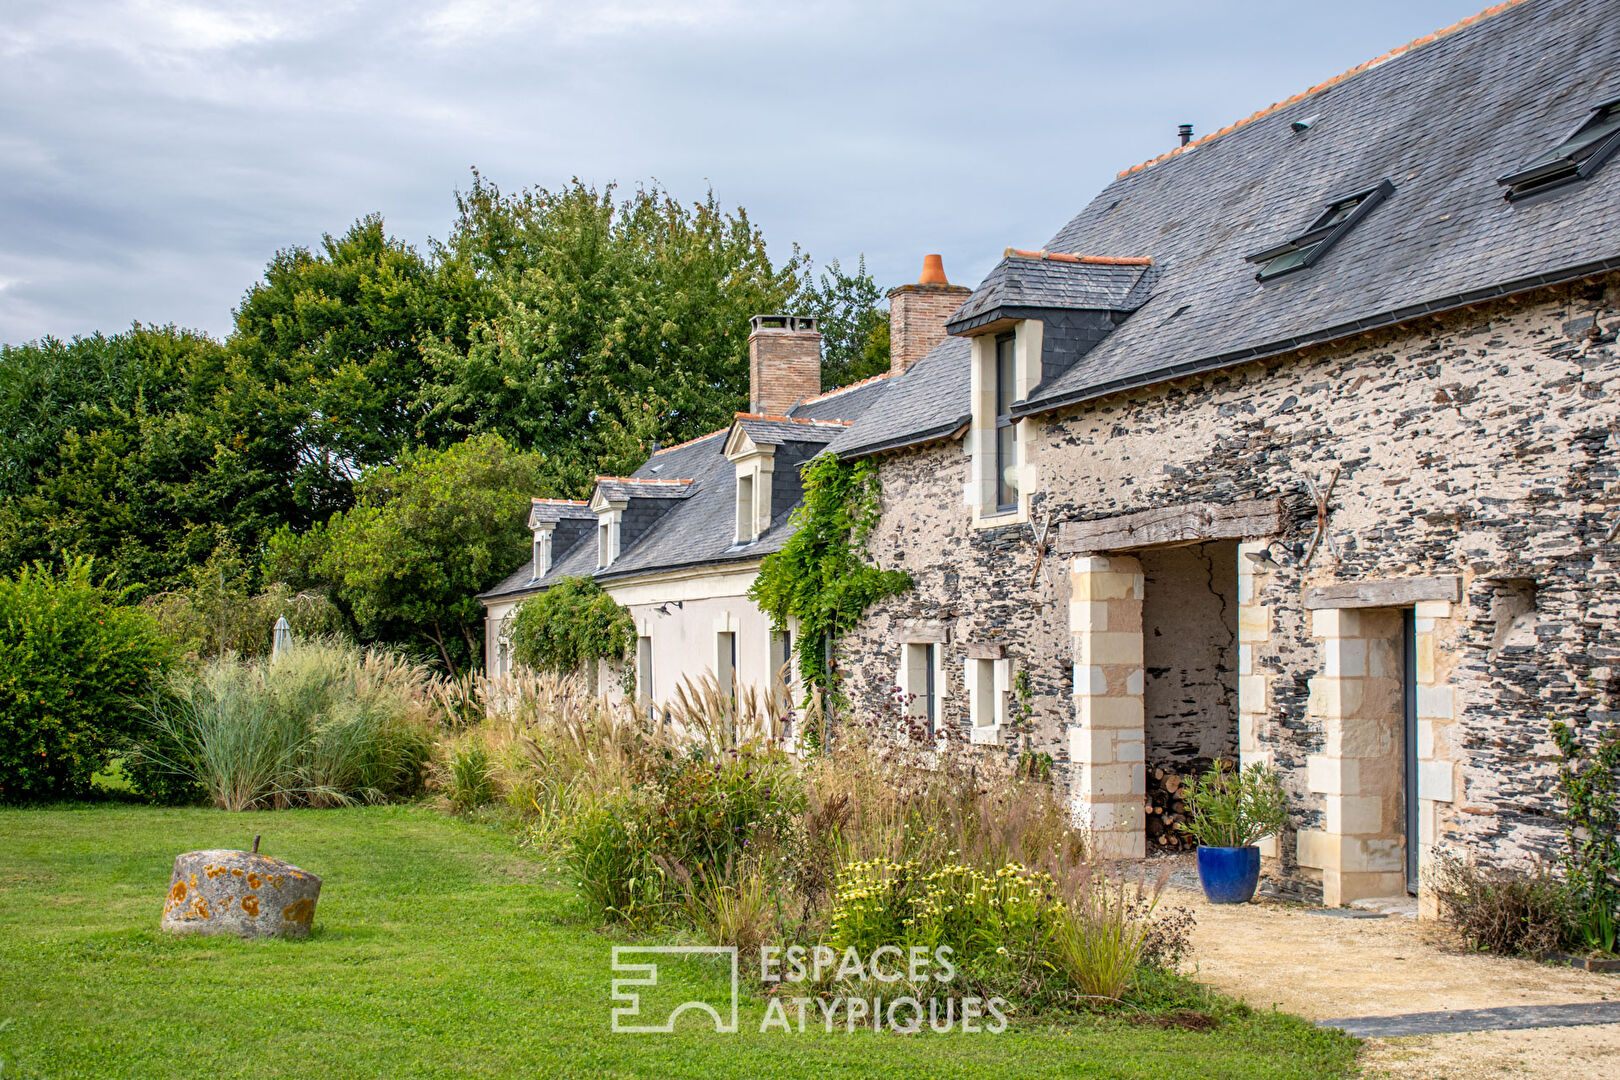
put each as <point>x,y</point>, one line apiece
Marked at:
<point>1480,445</point>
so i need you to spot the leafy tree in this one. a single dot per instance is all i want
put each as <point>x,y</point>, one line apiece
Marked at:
<point>328,372</point>
<point>423,538</point>
<point>75,667</point>
<point>615,323</point>
<point>104,446</point>
<point>217,609</point>
<point>854,329</point>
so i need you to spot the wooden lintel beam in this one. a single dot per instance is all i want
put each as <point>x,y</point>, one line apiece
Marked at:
<point>1170,526</point>
<point>1387,592</point>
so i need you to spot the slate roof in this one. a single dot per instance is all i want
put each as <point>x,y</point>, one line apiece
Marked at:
<point>776,430</point>
<point>624,488</point>
<point>1441,121</point>
<point>1441,118</point>
<point>699,529</point>
<point>544,510</point>
<point>1041,280</point>
<point>929,401</point>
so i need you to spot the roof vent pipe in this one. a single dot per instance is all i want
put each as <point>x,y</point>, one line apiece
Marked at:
<point>1185,132</point>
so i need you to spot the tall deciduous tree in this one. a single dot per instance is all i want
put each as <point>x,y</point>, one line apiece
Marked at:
<point>854,328</point>
<point>327,369</point>
<point>424,537</point>
<point>615,322</point>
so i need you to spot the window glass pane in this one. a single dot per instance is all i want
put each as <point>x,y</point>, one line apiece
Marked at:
<point>1006,375</point>
<point>1586,141</point>
<point>1006,465</point>
<point>928,685</point>
<point>1338,212</point>
<point>1287,261</point>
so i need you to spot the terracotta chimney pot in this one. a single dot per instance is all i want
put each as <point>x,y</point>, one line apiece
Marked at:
<point>917,314</point>
<point>933,272</point>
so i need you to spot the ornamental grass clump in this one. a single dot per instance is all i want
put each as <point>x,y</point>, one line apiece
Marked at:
<point>329,725</point>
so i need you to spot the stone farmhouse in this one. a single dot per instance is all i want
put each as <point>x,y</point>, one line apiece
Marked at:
<point>1294,446</point>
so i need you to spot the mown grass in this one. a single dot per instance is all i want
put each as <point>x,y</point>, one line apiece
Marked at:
<point>440,951</point>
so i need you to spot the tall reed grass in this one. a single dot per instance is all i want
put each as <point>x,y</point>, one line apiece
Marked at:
<point>329,725</point>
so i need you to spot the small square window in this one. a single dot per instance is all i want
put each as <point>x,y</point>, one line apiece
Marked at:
<point>1341,215</point>
<point>1578,156</point>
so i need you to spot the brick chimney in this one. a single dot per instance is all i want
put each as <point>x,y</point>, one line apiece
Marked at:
<point>784,362</point>
<point>917,314</point>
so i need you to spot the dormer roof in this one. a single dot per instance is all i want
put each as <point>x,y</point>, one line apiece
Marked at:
<point>1025,283</point>
<point>551,511</point>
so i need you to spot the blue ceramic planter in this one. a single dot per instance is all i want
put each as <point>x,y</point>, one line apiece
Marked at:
<point>1229,875</point>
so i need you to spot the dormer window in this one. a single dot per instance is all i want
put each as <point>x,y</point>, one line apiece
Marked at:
<point>1006,366</point>
<point>607,539</point>
<point>1581,153</point>
<point>1006,429</point>
<point>747,532</point>
<point>1305,250</point>
<point>542,553</point>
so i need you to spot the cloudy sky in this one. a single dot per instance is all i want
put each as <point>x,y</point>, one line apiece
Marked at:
<point>154,155</point>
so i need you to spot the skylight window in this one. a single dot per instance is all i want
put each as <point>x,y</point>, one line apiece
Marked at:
<point>1578,156</point>
<point>1342,215</point>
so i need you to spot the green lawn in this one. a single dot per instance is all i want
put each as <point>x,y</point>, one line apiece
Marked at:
<point>438,950</point>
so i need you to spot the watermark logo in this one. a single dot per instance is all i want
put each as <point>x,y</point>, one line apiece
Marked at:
<point>902,990</point>
<point>625,1015</point>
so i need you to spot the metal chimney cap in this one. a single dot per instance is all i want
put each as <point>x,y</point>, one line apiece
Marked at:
<point>804,324</point>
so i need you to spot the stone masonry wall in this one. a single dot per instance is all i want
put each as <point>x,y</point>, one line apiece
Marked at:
<point>1480,445</point>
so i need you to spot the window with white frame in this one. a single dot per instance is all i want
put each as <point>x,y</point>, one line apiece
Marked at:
<point>503,658</point>
<point>1006,366</point>
<point>989,685</point>
<point>607,539</point>
<point>644,670</point>
<point>922,683</point>
<point>542,553</point>
<point>746,531</point>
<point>725,662</point>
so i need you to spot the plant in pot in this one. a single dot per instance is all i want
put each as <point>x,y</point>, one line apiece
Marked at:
<point>1231,810</point>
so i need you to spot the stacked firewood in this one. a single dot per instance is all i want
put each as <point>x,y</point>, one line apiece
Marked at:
<point>1167,807</point>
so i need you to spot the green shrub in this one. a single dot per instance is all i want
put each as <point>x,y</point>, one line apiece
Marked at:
<point>329,725</point>
<point>1101,940</point>
<point>75,668</point>
<point>880,902</point>
<point>572,623</point>
<point>635,854</point>
<point>1235,809</point>
<point>612,861</point>
<point>1503,910</point>
<point>1589,781</point>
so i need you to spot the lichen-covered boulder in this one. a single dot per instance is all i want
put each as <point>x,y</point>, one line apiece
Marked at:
<point>238,892</point>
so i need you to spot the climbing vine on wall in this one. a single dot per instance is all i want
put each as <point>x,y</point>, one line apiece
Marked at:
<point>822,577</point>
<point>570,624</point>
<point>1589,781</point>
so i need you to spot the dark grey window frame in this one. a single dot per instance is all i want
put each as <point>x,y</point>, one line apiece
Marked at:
<point>1317,240</point>
<point>1004,419</point>
<point>1551,170</point>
